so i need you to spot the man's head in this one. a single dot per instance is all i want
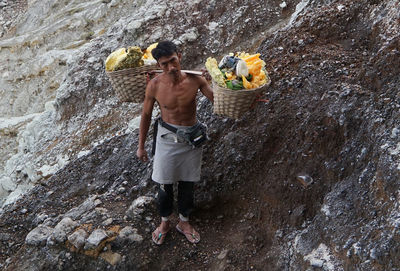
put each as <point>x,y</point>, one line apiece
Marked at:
<point>164,48</point>
<point>167,56</point>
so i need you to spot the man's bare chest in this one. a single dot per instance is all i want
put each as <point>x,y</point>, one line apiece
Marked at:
<point>176,96</point>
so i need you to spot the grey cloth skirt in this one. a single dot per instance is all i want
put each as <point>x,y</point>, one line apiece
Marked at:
<point>174,159</point>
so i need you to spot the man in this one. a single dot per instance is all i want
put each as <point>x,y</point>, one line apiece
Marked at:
<point>174,160</point>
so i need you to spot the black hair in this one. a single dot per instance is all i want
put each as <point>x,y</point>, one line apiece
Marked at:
<point>164,48</point>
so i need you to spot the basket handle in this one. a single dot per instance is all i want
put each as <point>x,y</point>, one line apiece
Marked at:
<point>185,71</point>
<point>257,99</point>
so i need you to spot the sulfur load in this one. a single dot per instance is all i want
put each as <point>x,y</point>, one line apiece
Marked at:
<point>132,59</point>
<point>215,72</point>
<point>114,58</point>
<point>238,71</point>
<point>147,52</point>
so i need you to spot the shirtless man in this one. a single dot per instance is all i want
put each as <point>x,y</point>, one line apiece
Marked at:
<point>174,160</point>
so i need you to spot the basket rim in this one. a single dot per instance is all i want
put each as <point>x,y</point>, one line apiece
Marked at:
<point>143,68</point>
<point>242,90</point>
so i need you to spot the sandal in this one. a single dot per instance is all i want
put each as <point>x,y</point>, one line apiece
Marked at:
<point>158,236</point>
<point>192,237</point>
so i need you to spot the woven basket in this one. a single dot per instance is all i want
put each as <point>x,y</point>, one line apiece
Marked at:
<point>130,84</point>
<point>234,103</point>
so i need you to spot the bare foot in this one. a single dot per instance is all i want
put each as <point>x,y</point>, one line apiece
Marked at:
<point>190,233</point>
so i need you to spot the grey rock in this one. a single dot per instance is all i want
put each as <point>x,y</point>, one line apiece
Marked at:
<point>95,238</point>
<point>78,238</point>
<point>101,211</point>
<point>107,222</point>
<point>333,129</point>
<point>316,263</point>
<point>64,227</point>
<point>38,236</point>
<point>223,254</point>
<point>40,218</point>
<point>86,206</point>
<point>5,236</point>
<point>138,206</point>
<point>121,190</point>
<point>130,235</point>
<point>304,179</point>
<point>97,202</point>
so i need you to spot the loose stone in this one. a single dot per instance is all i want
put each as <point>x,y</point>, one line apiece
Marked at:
<point>77,239</point>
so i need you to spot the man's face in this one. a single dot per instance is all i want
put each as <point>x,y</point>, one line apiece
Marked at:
<point>170,64</point>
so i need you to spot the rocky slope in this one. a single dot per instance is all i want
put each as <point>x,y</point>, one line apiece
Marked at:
<point>307,181</point>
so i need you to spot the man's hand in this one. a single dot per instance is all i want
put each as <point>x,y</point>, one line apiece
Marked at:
<point>142,155</point>
<point>206,75</point>
<point>150,75</point>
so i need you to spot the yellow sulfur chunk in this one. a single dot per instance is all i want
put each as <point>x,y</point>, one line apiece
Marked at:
<point>132,59</point>
<point>252,57</point>
<point>255,68</point>
<point>215,72</point>
<point>259,79</point>
<point>114,58</point>
<point>147,52</point>
<point>247,84</point>
<point>230,76</point>
<point>242,55</point>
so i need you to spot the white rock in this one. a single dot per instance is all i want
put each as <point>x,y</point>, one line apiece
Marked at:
<point>323,257</point>
<point>316,263</point>
<point>8,184</point>
<point>191,35</point>
<point>340,7</point>
<point>130,234</point>
<point>137,206</point>
<point>92,59</point>
<point>395,133</point>
<point>65,226</point>
<point>134,25</point>
<point>396,150</point>
<point>97,202</point>
<point>107,222</point>
<point>213,26</point>
<point>95,238</point>
<point>38,236</point>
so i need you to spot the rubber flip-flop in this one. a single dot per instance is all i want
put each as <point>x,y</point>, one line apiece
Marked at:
<point>192,237</point>
<point>158,236</point>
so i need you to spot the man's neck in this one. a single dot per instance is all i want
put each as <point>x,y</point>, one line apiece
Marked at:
<point>176,78</point>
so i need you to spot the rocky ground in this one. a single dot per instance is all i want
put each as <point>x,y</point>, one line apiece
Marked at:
<point>307,181</point>
<point>12,11</point>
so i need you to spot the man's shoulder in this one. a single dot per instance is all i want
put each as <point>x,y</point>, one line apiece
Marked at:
<point>154,82</point>
<point>194,78</point>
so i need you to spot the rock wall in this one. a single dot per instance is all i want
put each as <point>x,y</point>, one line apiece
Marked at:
<point>64,81</point>
<point>306,181</point>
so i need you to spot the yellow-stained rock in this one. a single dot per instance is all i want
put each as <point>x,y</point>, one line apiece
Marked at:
<point>111,257</point>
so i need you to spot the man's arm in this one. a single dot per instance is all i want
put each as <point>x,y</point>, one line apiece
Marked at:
<point>206,89</point>
<point>145,121</point>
